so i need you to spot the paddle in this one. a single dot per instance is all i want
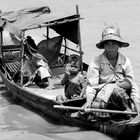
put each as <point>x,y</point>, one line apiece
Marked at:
<point>95,110</point>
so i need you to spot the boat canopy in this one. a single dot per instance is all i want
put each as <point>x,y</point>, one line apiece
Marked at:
<point>66,25</point>
<point>17,22</point>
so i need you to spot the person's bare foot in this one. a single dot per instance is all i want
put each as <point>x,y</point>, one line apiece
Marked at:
<point>75,115</point>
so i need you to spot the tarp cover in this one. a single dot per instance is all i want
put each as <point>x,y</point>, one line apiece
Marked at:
<point>15,21</point>
<point>50,48</point>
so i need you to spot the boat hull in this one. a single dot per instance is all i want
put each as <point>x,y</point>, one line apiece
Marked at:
<point>23,96</point>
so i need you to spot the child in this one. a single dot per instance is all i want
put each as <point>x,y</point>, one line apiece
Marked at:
<point>73,81</point>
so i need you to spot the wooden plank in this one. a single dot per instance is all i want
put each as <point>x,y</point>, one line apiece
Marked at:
<point>11,48</point>
<point>13,66</point>
<point>9,67</point>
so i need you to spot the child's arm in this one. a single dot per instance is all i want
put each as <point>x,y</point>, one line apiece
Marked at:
<point>66,76</point>
<point>64,79</point>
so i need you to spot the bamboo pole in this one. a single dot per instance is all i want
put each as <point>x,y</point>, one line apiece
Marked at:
<point>79,41</point>
<point>95,110</point>
<point>65,50</point>
<point>22,56</point>
<point>51,24</point>
<point>1,42</point>
<point>47,33</point>
<point>47,36</point>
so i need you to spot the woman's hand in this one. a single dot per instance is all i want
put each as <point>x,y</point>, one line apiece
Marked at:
<point>86,105</point>
<point>119,82</point>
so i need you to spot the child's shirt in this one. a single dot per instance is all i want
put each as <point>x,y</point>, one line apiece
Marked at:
<point>73,85</point>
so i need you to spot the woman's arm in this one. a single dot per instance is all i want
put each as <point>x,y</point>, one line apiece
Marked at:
<point>135,93</point>
<point>93,72</point>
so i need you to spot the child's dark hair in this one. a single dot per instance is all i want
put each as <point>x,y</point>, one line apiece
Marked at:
<point>76,59</point>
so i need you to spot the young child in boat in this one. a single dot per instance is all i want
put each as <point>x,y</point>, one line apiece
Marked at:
<point>73,81</point>
<point>113,95</point>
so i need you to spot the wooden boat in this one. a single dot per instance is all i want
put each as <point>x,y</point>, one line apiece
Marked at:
<point>68,28</point>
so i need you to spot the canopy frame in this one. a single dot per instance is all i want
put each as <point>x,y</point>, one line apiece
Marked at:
<point>60,26</point>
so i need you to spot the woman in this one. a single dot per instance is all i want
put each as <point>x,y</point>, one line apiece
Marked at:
<point>110,66</point>
<point>41,73</point>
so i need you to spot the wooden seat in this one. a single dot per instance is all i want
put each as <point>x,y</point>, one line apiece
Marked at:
<point>11,57</point>
<point>13,66</point>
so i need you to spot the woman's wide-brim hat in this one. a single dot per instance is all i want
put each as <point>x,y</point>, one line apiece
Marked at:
<point>111,33</point>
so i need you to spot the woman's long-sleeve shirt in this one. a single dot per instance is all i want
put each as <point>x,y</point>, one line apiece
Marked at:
<point>101,71</point>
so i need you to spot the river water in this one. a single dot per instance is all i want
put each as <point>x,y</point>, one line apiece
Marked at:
<point>20,122</point>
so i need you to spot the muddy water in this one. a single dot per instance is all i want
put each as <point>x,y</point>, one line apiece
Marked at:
<point>20,122</point>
